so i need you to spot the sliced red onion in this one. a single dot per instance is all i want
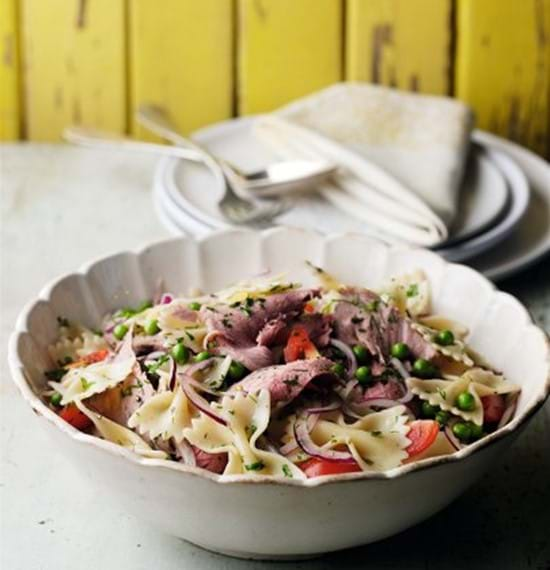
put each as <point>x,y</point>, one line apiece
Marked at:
<point>172,373</point>
<point>349,388</point>
<point>185,452</point>
<point>378,403</point>
<point>400,367</point>
<point>323,409</point>
<point>344,348</point>
<point>189,386</point>
<point>301,433</point>
<point>348,411</point>
<point>509,411</point>
<point>292,445</point>
<point>166,299</point>
<point>267,444</point>
<point>153,355</point>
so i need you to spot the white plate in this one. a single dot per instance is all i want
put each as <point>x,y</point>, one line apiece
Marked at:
<point>484,187</point>
<point>519,201</point>
<point>528,243</point>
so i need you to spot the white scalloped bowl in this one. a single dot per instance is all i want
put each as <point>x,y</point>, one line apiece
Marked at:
<point>275,517</point>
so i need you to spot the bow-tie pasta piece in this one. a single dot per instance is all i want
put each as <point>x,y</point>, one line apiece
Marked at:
<point>377,442</point>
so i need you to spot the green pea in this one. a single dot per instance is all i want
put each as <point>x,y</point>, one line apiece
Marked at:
<point>423,368</point>
<point>204,355</point>
<point>361,353</point>
<point>477,431</point>
<point>180,353</point>
<point>55,399</point>
<point>143,306</point>
<point>194,306</point>
<point>442,417</point>
<point>152,327</point>
<point>120,331</point>
<point>363,374</point>
<point>125,313</point>
<point>338,369</point>
<point>445,338</point>
<point>465,402</point>
<point>236,371</point>
<point>429,411</point>
<point>462,431</point>
<point>400,350</point>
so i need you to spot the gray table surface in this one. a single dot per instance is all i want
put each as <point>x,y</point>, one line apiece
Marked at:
<point>60,207</point>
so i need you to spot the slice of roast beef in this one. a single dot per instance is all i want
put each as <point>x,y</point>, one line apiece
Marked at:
<point>235,329</point>
<point>277,331</point>
<point>214,462</point>
<point>285,382</point>
<point>361,317</point>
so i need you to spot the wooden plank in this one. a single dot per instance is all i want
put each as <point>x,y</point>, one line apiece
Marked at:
<point>400,43</point>
<point>287,48</point>
<point>9,72</point>
<point>182,59</point>
<point>503,67</point>
<point>74,65</point>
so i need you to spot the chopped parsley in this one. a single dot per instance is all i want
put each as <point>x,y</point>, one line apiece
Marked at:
<point>56,374</point>
<point>63,322</point>
<point>372,306</point>
<point>85,383</point>
<point>227,323</point>
<point>376,433</point>
<point>441,392</point>
<point>286,471</point>
<point>189,335</point>
<point>154,366</point>
<point>292,382</point>
<point>127,390</point>
<point>251,430</point>
<point>357,320</point>
<point>256,466</point>
<point>412,290</point>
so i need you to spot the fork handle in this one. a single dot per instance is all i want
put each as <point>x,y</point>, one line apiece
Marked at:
<point>93,138</point>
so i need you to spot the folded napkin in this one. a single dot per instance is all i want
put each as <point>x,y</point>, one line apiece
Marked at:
<point>402,154</point>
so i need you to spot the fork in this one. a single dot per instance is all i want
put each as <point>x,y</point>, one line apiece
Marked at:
<point>233,206</point>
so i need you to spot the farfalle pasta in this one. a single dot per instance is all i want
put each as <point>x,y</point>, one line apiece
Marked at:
<point>270,379</point>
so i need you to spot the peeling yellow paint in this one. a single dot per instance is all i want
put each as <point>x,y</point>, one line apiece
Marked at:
<point>400,43</point>
<point>74,68</point>
<point>181,54</point>
<point>287,48</point>
<point>503,67</point>
<point>9,72</point>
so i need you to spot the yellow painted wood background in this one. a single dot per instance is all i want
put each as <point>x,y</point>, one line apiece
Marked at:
<point>74,68</point>
<point>94,61</point>
<point>503,67</point>
<point>400,43</point>
<point>181,58</point>
<point>10,109</point>
<point>286,49</point>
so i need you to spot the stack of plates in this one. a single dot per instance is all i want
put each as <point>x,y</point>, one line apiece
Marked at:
<point>504,216</point>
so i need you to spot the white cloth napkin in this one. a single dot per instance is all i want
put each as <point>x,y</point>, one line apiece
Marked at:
<point>403,154</point>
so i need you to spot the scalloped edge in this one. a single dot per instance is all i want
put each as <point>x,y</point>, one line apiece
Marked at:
<point>17,369</point>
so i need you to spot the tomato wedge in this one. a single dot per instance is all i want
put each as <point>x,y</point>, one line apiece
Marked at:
<point>493,408</point>
<point>315,467</point>
<point>91,358</point>
<point>72,415</point>
<point>422,434</point>
<point>299,345</point>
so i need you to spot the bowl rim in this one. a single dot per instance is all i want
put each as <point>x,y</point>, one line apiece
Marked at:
<point>17,369</point>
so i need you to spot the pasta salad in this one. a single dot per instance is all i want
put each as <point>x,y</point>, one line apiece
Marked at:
<point>269,378</point>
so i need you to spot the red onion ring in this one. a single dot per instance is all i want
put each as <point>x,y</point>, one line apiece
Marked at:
<point>303,438</point>
<point>509,411</point>
<point>292,445</point>
<point>166,299</point>
<point>323,409</point>
<point>189,384</point>
<point>185,451</point>
<point>343,347</point>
